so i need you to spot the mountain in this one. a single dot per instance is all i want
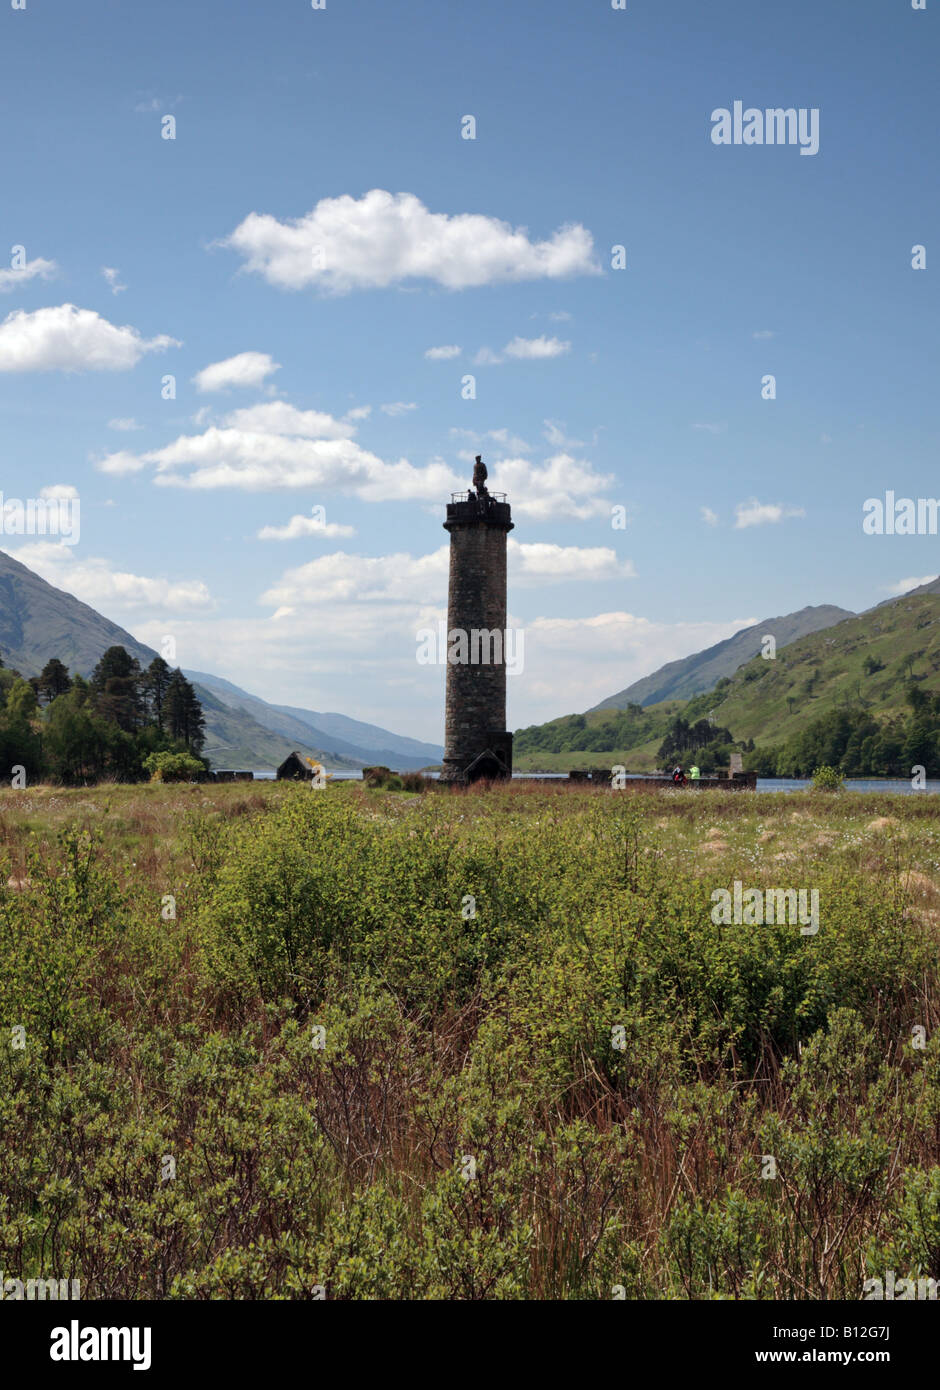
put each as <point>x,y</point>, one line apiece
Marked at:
<point>38,621</point>
<point>866,662</point>
<point>931,587</point>
<point>693,675</point>
<point>342,735</point>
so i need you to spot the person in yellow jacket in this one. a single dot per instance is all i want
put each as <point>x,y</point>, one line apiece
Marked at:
<point>694,773</point>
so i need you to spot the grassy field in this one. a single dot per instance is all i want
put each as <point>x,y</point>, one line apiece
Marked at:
<point>263,1041</point>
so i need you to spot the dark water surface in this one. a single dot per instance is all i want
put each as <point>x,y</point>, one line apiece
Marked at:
<point>894,785</point>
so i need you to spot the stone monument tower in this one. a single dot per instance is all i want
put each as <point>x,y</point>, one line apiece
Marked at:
<point>477,743</point>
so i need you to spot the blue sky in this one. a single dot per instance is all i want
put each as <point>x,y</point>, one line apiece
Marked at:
<point>595,387</point>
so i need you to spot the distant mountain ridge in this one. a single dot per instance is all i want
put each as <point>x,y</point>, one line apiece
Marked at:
<point>701,672</point>
<point>362,741</point>
<point>39,621</point>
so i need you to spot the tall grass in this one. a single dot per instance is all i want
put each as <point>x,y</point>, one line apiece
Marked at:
<point>465,1045</point>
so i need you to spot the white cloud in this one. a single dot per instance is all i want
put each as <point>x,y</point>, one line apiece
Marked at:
<point>359,412</point>
<point>764,333</point>
<point>121,463</point>
<point>345,578</point>
<point>522,349</point>
<point>274,445</point>
<point>398,407</point>
<point>561,316</point>
<point>300,526</point>
<point>279,417</point>
<point>536,348</point>
<point>904,586</point>
<point>383,239</point>
<point>754,513</point>
<point>68,339</point>
<point>570,663</point>
<point>12,279</point>
<point>59,491</point>
<point>96,583</point>
<point>245,369</point>
<point>443,354</point>
<point>539,563</point>
<point>709,517</point>
<point>554,432</point>
<point>562,488</point>
<point>113,278</point>
<point>126,423</point>
<point>574,663</point>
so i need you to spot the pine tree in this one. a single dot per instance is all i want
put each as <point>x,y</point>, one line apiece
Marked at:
<point>156,681</point>
<point>54,680</point>
<point>115,684</point>
<point>183,713</point>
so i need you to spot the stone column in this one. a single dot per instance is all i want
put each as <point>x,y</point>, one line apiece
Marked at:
<point>477,743</point>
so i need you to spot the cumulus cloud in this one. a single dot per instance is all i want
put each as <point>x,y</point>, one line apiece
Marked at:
<point>554,432</point>
<point>535,348</point>
<point>275,445</point>
<point>754,513</point>
<point>904,586</point>
<point>384,239</point>
<point>68,339</point>
<point>59,491</point>
<point>398,407</point>
<point>522,350</point>
<point>539,563</point>
<point>245,369</point>
<point>345,578</point>
<point>38,269</point>
<point>113,278</point>
<point>95,582</point>
<point>124,422</point>
<point>709,517</point>
<point>562,487</point>
<point>279,417</point>
<point>443,354</point>
<point>300,526</point>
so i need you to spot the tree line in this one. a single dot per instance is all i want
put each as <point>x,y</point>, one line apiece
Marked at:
<point>60,727</point>
<point>861,746</point>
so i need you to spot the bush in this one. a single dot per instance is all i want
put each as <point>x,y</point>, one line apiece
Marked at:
<point>174,767</point>
<point>827,779</point>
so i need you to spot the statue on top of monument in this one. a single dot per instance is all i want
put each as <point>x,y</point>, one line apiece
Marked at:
<point>479,476</point>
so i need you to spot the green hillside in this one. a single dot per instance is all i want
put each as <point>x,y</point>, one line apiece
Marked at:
<point>863,694</point>
<point>603,737</point>
<point>866,663</point>
<point>690,676</point>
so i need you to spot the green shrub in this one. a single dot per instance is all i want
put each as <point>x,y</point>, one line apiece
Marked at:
<point>174,767</point>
